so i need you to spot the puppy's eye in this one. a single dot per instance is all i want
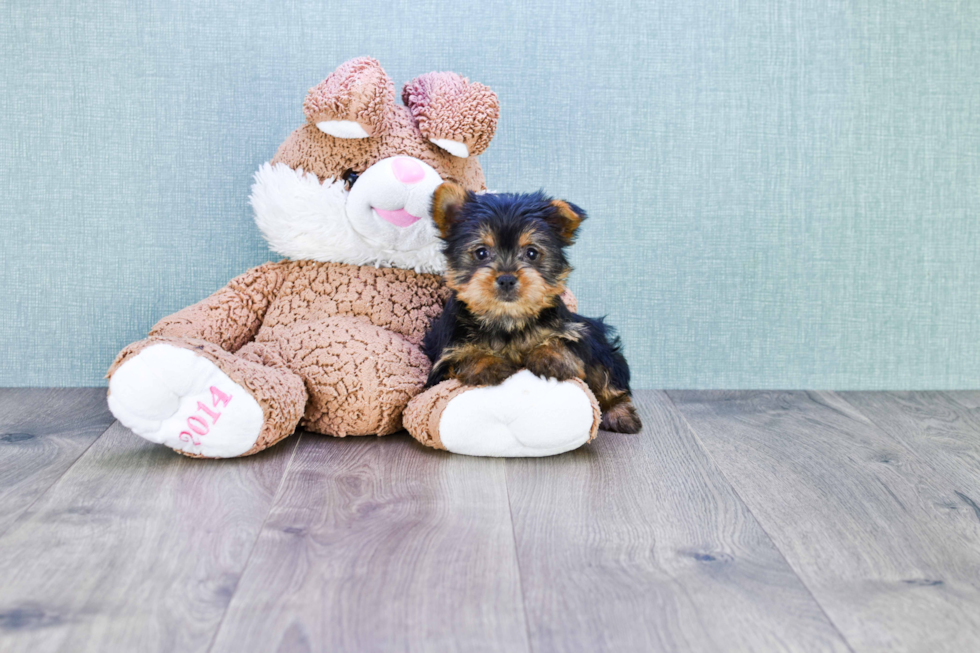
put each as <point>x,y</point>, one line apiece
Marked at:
<point>350,178</point>
<point>481,253</point>
<point>532,254</point>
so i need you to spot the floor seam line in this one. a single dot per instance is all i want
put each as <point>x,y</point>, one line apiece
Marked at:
<point>255,543</point>
<point>762,526</point>
<point>517,560</point>
<point>55,481</point>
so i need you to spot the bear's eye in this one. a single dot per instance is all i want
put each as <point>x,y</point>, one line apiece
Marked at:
<point>481,253</point>
<point>350,178</point>
<point>532,254</point>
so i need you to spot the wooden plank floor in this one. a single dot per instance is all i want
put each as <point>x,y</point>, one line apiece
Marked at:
<point>737,521</point>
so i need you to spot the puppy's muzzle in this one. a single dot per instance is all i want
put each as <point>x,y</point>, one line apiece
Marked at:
<point>507,282</point>
<point>506,286</point>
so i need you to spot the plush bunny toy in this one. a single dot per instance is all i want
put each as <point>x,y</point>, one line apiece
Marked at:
<point>328,338</point>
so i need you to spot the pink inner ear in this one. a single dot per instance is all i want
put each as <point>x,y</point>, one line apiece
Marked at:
<point>407,171</point>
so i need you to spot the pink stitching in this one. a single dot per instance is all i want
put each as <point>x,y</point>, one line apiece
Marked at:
<point>217,397</point>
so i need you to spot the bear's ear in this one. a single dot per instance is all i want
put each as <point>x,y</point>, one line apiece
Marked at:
<point>565,218</point>
<point>455,114</point>
<point>355,101</point>
<point>447,202</point>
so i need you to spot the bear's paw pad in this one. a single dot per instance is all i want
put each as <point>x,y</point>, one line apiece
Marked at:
<point>171,396</point>
<point>525,416</point>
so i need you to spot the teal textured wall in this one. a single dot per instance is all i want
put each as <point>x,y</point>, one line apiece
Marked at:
<point>783,194</point>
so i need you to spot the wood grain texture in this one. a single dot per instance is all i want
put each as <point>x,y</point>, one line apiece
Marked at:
<point>42,432</point>
<point>760,521</point>
<point>872,528</point>
<point>135,548</point>
<point>942,427</point>
<point>637,543</point>
<point>381,544</point>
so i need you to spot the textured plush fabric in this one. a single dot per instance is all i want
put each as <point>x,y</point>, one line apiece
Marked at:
<point>334,343</point>
<point>782,194</point>
<point>400,301</point>
<point>359,376</point>
<point>231,316</point>
<point>279,391</point>
<point>304,219</point>
<point>359,91</point>
<point>328,157</point>
<point>423,415</point>
<point>322,343</point>
<point>447,105</point>
<point>349,334</point>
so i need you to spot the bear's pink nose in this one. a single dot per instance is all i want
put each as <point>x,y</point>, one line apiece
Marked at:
<point>407,171</point>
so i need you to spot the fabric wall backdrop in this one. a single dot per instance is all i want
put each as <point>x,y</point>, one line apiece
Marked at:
<point>783,194</point>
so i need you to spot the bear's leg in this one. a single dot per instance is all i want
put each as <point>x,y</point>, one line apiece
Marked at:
<point>201,400</point>
<point>360,377</point>
<point>525,416</point>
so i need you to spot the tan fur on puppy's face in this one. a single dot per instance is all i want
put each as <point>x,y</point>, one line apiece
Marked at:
<point>480,295</point>
<point>569,221</point>
<point>476,285</point>
<point>447,202</point>
<point>535,294</point>
<point>491,236</point>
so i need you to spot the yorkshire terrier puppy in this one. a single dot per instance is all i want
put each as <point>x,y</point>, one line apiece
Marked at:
<point>506,267</point>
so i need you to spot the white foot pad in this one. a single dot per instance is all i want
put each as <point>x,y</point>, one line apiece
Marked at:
<point>524,416</point>
<point>171,396</point>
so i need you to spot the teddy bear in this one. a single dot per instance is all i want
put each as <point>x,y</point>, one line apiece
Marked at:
<point>328,338</point>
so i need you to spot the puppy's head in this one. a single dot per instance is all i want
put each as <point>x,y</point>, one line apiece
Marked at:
<point>504,252</point>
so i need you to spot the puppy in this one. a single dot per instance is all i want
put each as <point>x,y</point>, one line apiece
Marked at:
<point>506,267</point>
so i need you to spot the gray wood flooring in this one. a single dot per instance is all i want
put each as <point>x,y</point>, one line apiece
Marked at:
<point>737,521</point>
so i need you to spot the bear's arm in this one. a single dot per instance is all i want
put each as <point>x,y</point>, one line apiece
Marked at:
<point>232,315</point>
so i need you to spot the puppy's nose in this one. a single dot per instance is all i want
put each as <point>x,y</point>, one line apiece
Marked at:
<point>506,282</point>
<point>407,171</point>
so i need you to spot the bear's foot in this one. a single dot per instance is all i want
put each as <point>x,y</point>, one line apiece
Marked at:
<point>172,396</point>
<point>525,416</point>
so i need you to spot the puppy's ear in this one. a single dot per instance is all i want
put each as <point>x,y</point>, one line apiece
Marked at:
<point>447,202</point>
<point>565,219</point>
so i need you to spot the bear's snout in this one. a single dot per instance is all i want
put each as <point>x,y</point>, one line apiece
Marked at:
<point>407,170</point>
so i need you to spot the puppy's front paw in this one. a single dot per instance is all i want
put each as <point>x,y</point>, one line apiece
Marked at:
<point>554,362</point>
<point>487,370</point>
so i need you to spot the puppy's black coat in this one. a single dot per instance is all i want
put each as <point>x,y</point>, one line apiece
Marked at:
<point>507,269</point>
